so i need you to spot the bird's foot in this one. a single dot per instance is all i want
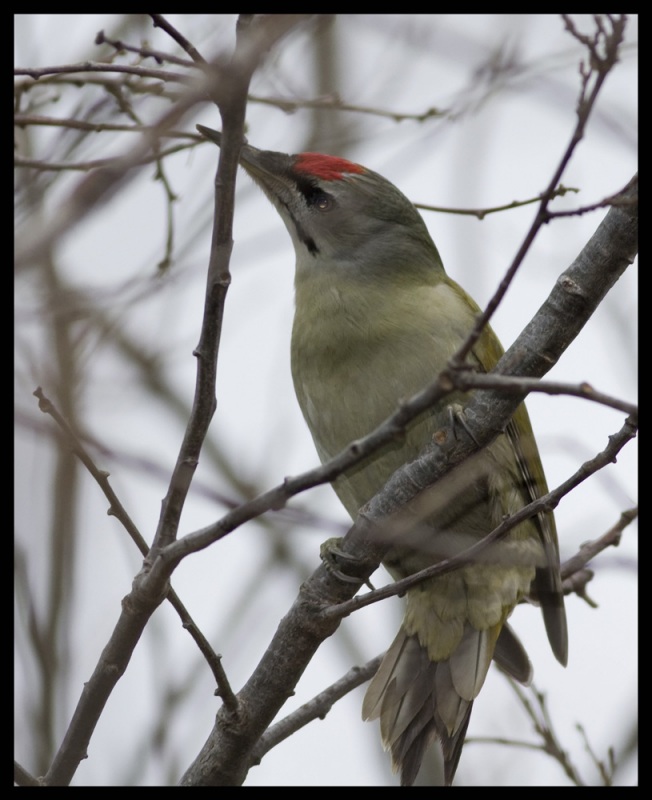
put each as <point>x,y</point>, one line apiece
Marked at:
<point>457,417</point>
<point>333,557</point>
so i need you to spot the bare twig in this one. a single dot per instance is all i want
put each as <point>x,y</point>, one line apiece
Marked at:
<point>98,164</point>
<point>466,379</point>
<point>224,759</point>
<point>92,66</point>
<point>160,22</point>
<point>481,213</point>
<point>117,510</point>
<point>470,555</point>
<point>151,587</point>
<point>579,291</point>
<point>22,120</point>
<point>543,727</point>
<point>589,550</point>
<point>600,68</point>
<point>317,708</point>
<point>605,769</point>
<point>144,52</point>
<point>333,102</point>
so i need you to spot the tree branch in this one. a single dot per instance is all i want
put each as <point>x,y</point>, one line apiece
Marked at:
<point>226,755</point>
<point>151,587</point>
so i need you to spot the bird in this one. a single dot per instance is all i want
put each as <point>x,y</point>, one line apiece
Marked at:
<point>376,319</point>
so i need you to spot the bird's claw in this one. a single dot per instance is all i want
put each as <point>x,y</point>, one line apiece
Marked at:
<point>330,554</point>
<point>457,417</point>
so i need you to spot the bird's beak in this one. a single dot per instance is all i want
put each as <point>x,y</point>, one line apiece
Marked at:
<point>260,164</point>
<point>268,169</point>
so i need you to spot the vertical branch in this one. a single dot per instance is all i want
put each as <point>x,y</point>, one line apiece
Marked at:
<point>150,587</point>
<point>254,37</point>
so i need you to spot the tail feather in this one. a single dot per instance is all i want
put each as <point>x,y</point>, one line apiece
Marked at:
<point>405,699</point>
<point>470,661</point>
<point>418,730</point>
<point>371,705</point>
<point>409,750</point>
<point>419,700</point>
<point>452,748</point>
<point>511,657</point>
<point>451,708</point>
<point>549,593</point>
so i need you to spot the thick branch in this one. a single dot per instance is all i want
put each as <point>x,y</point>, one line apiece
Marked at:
<point>576,295</point>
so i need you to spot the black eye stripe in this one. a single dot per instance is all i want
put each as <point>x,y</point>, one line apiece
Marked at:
<point>315,196</point>
<point>309,242</point>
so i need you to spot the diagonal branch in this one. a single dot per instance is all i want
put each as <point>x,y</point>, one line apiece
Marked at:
<point>225,757</point>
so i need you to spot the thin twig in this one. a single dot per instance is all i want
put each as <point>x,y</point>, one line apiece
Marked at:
<point>470,555</point>
<point>481,213</point>
<point>333,102</point>
<point>466,379</point>
<point>143,52</point>
<point>543,727</point>
<point>94,66</point>
<point>600,68</point>
<point>117,510</point>
<point>317,708</point>
<point>589,550</point>
<point>150,587</point>
<point>160,22</point>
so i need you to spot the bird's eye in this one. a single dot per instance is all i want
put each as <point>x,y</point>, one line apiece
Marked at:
<point>322,201</point>
<point>314,196</point>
